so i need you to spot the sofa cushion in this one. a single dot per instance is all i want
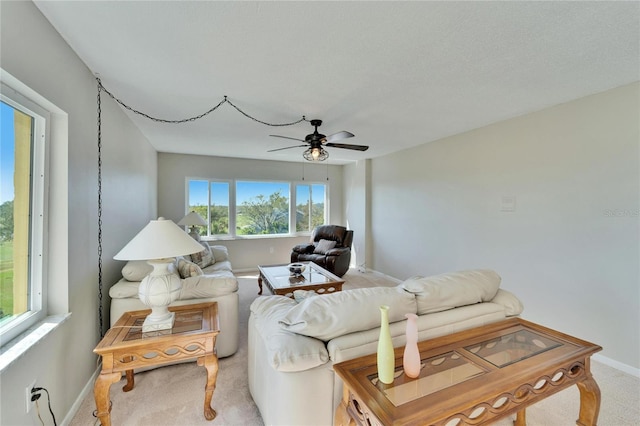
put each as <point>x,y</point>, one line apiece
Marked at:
<point>332,315</point>
<point>188,269</point>
<point>203,258</point>
<point>220,253</point>
<point>136,270</point>
<point>286,351</point>
<point>203,286</point>
<point>447,291</point>
<point>324,246</point>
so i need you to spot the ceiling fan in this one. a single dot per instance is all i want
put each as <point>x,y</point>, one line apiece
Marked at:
<point>316,142</point>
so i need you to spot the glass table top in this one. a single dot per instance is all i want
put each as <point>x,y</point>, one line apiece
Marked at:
<point>436,373</point>
<point>513,347</point>
<point>454,367</point>
<point>280,277</point>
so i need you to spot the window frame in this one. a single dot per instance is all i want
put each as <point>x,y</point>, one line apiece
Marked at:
<point>37,285</point>
<point>292,185</point>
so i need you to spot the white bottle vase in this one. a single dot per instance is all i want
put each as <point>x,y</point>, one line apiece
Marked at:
<point>386,359</point>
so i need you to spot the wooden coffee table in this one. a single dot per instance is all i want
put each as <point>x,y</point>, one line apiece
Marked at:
<point>125,347</point>
<point>473,377</point>
<point>315,278</point>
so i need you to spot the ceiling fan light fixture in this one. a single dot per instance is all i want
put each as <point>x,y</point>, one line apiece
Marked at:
<point>315,154</point>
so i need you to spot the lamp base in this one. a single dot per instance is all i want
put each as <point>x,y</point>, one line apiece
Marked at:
<point>151,324</point>
<point>158,290</point>
<point>193,232</point>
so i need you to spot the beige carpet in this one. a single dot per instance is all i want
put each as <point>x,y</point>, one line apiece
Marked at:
<point>174,395</point>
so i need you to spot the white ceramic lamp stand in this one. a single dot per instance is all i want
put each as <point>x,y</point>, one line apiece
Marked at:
<point>158,243</point>
<point>193,219</point>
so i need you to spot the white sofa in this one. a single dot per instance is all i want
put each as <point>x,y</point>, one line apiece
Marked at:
<point>293,344</point>
<point>206,277</point>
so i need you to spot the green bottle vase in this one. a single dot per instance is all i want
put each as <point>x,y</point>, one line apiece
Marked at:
<point>386,359</point>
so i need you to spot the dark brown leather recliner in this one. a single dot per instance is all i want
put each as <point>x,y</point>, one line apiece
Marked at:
<point>334,259</point>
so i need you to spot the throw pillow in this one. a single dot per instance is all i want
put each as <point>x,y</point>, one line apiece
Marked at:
<point>328,316</point>
<point>324,246</point>
<point>203,258</point>
<point>451,290</point>
<point>188,269</point>
<point>136,270</point>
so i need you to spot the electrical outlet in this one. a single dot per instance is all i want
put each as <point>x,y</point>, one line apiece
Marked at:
<point>271,250</point>
<point>28,400</point>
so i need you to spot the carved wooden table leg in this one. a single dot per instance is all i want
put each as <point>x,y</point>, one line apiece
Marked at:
<point>130,382</point>
<point>521,418</point>
<point>101,395</point>
<point>589,402</point>
<point>210,362</point>
<point>260,283</point>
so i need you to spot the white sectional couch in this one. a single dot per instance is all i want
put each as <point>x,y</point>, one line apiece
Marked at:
<point>205,276</point>
<point>293,344</point>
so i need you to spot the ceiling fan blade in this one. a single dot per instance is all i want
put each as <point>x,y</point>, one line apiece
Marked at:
<point>287,137</point>
<point>340,135</point>
<point>348,146</point>
<point>280,149</point>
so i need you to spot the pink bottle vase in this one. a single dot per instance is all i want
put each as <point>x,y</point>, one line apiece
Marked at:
<point>411,356</point>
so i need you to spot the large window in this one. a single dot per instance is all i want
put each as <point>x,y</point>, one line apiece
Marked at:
<point>254,208</point>
<point>23,183</point>
<point>310,207</point>
<point>210,199</point>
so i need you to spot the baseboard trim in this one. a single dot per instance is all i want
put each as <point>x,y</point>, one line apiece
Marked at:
<point>635,372</point>
<point>78,402</point>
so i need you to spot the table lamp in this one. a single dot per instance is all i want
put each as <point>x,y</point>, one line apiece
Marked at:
<point>193,219</point>
<point>159,243</point>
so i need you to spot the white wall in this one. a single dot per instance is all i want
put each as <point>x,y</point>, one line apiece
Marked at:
<point>34,53</point>
<point>570,250</point>
<point>357,207</point>
<point>245,253</point>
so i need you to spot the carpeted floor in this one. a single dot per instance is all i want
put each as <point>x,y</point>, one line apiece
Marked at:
<point>174,395</point>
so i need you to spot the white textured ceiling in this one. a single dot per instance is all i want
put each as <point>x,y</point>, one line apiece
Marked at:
<point>396,74</point>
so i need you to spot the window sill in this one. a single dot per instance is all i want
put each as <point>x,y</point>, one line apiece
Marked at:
<point>17,347</point>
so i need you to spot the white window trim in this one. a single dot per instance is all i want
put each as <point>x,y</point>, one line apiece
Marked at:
<point>57,296</point>
<point>38,272</point>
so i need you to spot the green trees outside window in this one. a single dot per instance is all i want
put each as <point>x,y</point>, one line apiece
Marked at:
<point>258,207</point>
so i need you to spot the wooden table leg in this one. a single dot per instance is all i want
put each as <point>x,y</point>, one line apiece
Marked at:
<point>342,417</point>
<point>521,418</point>
<point>210,362</point>
<point>589,402</point>
<point>260,284</point>
<point>130,381</point>
<point>101,394</point>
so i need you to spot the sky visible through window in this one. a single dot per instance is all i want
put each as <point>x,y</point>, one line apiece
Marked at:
<point>245,191</point>
<point>6,153</point>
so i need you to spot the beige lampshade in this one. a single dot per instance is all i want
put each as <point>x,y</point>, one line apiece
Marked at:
<point>192,219</point>
<point>160,239</point>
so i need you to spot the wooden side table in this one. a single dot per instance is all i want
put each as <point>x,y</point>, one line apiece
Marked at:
<point>473,377</point>
<point>125,348</point>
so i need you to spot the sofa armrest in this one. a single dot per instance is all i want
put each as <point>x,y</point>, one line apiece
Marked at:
<point>512,305</point>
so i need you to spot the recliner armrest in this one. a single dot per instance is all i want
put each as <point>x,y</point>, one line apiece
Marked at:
<point>337,251</point>
<point>304,248</point>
